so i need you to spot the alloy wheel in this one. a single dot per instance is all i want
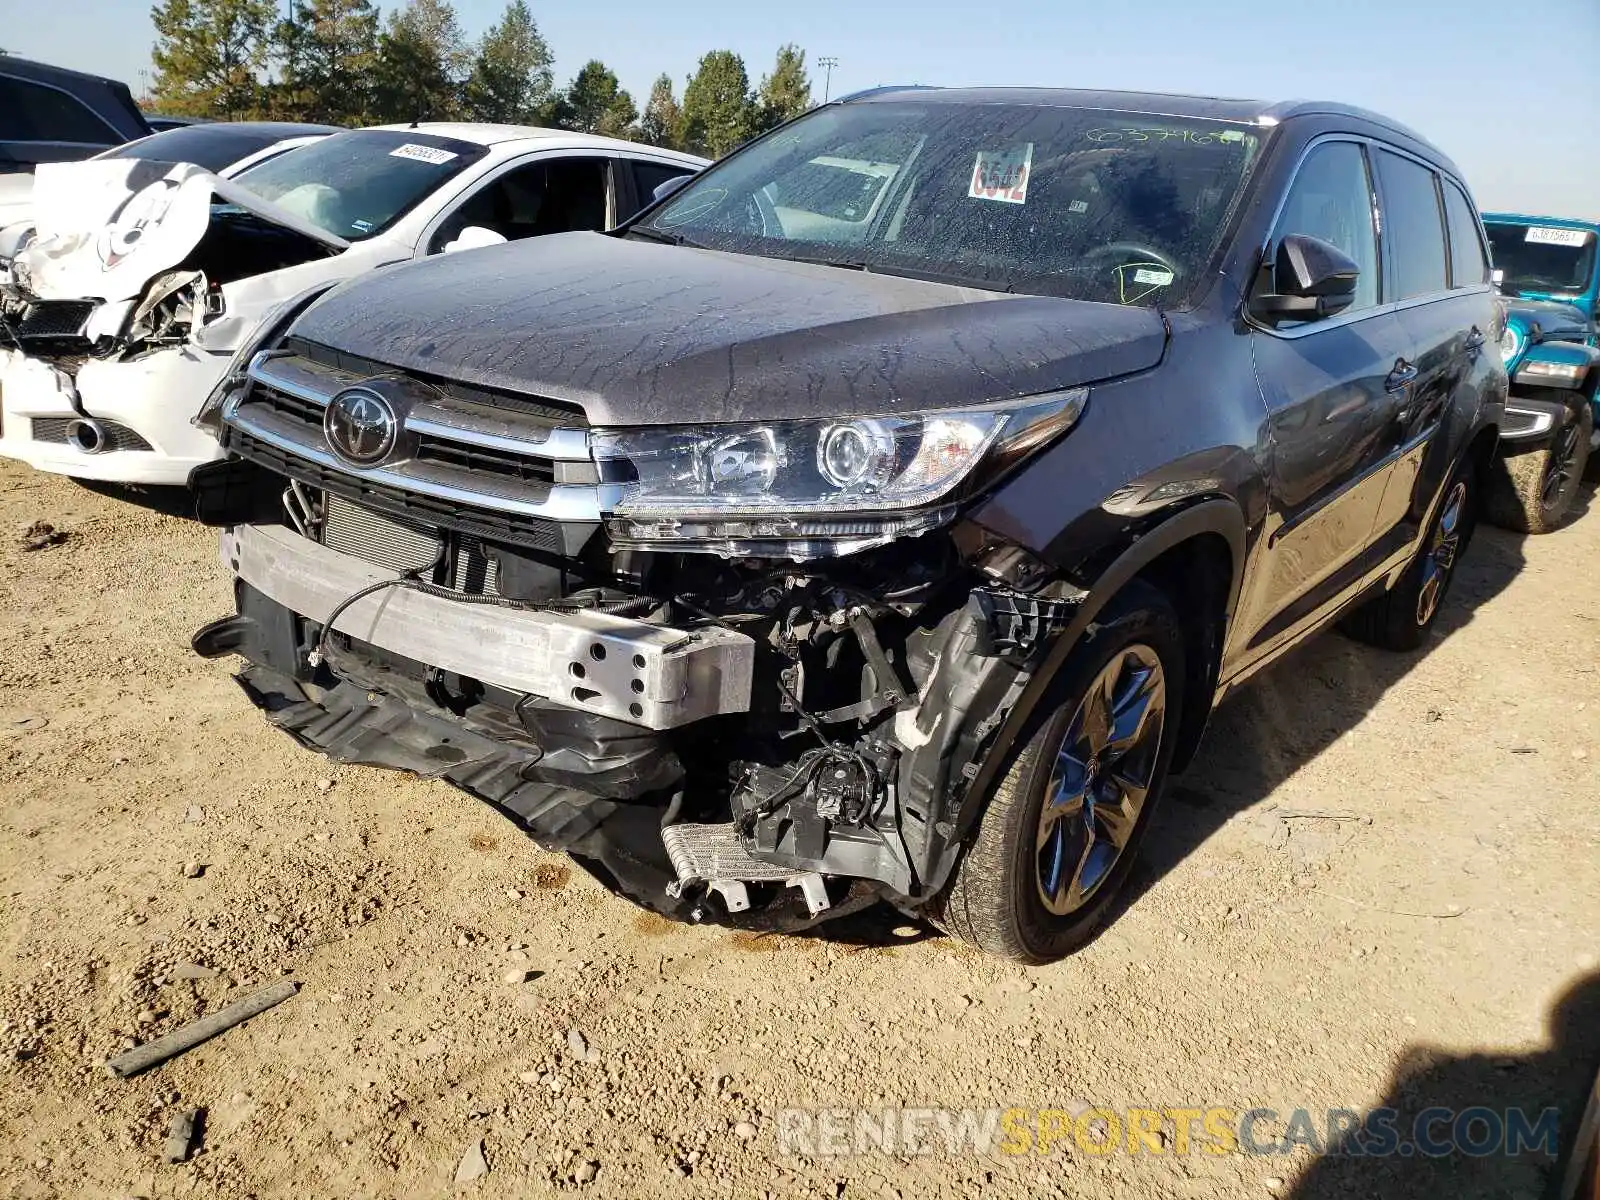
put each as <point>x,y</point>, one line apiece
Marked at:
<point>1101,778</point>
<point>1442,550</point>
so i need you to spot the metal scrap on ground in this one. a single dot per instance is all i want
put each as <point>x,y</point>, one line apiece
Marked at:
<point>142,1058</point>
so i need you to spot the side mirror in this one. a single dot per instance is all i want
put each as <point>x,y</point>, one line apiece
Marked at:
<point>472,237</point>
<point>663,190</point>
<point>1310,278</point>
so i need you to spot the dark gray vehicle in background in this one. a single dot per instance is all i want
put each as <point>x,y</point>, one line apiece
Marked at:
<point>882,514</point>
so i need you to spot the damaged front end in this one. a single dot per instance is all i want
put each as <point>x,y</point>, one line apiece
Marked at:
<point>128,294</point>
<point>728,714</point>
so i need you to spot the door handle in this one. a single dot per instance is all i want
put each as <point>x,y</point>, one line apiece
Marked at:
<point>1475,339</point>
<point>1402,377</point>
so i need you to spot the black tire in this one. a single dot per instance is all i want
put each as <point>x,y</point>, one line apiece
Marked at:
<point>1533,491</point>
<point>995,899</point>
<point>1400,618</point>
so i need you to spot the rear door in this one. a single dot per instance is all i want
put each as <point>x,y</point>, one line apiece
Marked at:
<point>1326,386</point>
<point>1435,275</point>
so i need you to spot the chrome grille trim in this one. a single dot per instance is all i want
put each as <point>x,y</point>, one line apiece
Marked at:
<point>435,418</point>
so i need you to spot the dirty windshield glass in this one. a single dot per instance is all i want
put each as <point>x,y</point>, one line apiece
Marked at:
<point>1545,260</point>
<point>357,184</point>
<point>1086,203</point>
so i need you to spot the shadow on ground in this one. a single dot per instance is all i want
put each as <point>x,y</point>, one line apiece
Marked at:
<point>1561,1077</point>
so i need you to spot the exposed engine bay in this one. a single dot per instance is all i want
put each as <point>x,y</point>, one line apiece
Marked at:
<point>837,718</point>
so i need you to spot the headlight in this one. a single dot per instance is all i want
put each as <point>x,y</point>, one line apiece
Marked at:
<point>859,480</point>
<point>1512,342</point>
<point>271,328</point>
<point>1559,374</point>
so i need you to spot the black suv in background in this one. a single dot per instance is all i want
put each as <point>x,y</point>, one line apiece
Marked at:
<point>50,114</point>
<point>881,514</point>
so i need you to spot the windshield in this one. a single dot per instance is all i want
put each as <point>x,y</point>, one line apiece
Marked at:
<point>1546,260</point>
<point>357,184</point>
<point>1085,203</point>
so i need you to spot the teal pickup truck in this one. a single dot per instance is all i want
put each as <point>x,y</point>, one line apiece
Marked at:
<point>1548,273</point>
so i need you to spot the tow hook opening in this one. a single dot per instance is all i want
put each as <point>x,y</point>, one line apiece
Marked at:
<point>86,436</point>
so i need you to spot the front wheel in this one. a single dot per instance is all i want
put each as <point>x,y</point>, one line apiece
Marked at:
<point>1533,491</point>
<point>1058,838</point>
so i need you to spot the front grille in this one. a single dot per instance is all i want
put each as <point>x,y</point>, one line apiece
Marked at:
<point>118,437</point>
<point>537,533</point>
<point>494,466</point>
<point>404,547</point>
<point>53,319</point>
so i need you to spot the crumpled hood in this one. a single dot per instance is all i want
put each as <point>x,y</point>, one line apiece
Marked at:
<point>1554,319</point>
<point>641,333</point>
<point>105,227</point>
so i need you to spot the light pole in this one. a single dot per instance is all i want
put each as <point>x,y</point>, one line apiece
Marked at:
<point>827,63</point>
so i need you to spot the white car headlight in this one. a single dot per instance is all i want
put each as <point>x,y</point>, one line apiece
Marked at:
<point>862,480</point>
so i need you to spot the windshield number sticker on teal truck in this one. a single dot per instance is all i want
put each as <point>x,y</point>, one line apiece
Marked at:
<point>427,154</point>
<point>1545,235</point>
<point>1002,174</point>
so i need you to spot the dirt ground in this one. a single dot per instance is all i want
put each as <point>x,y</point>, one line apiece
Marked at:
<point>1438,948</point>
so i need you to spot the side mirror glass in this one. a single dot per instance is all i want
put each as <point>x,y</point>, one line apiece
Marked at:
<point>472,237</point>
<point>663,190</point>
<point>1310,278</point>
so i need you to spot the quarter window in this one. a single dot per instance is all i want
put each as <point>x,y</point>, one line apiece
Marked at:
<point>1331,199</point>
<point>1467,262</point>
<point>1416,232</point>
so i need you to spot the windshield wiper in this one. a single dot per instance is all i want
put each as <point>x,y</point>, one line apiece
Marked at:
<point>816,260</point>
<point>652,234</point>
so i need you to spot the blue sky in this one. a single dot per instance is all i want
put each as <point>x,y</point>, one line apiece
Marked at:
<point>1512,93</point>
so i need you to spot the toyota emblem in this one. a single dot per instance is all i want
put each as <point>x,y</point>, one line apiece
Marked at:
<point>361,426</point>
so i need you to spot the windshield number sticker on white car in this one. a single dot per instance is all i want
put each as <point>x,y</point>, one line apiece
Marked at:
<point>1544,235</point>
<point>427,154</point>
<point>1002,174</point>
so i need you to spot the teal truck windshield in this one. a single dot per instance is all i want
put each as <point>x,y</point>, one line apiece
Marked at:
<point>1090,204</point>
<point>1543,260</point>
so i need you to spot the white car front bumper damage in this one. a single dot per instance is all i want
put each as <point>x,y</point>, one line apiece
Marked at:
<point>123,421</point>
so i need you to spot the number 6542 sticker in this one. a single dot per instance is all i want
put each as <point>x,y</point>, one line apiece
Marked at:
<point>1002,174</point>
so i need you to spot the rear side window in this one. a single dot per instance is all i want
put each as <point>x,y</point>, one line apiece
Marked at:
<point>31,112</point>
<point>1416,232</point>
<point>1467,262</point>
<point>1331,199</point>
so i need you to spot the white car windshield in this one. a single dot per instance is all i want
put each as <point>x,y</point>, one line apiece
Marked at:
<point>1092,204</point>
<point>357,184</point>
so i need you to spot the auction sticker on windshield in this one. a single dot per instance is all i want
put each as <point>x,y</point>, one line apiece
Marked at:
<point>427,154</point>
<point>1547,236</point>
<point>1002,174</point>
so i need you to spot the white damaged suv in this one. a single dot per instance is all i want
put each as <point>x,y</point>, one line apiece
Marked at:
<point>122,303</point>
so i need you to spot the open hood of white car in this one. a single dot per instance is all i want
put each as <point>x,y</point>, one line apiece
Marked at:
<point>105,228</point>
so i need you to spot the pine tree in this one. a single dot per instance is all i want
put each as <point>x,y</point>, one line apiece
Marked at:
<point>422,59</point>
<point>717,112</point>
<point>328,49</point>
<point>510,78</point>
<point>209,56</point>
<point>786,93</point>
<point>598,104</point>
<point>659,125</point>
